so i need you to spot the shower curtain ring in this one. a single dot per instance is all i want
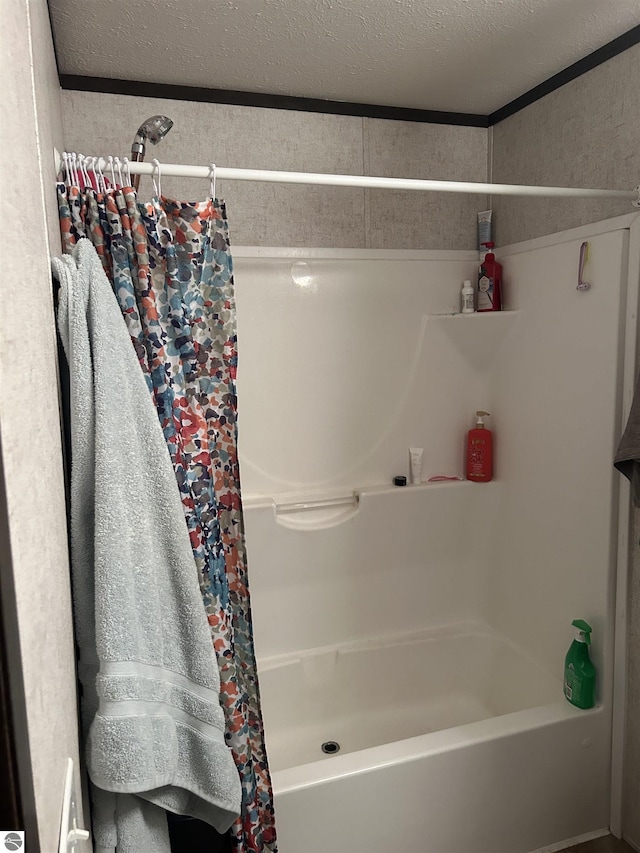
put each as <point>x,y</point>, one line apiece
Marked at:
<point>157,186</point>
<point>84,174</point>
<point>212,185</point>
<point>74,169</point>
<point>100,178</point>
<point>113,173</point>
<point>127,170</point>
<point>96,174</point>
<point>119,171</point>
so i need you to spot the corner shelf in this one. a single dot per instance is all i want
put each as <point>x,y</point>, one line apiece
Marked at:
<point>477,315</point>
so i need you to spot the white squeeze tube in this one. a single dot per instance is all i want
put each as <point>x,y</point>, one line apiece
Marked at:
<point>415,454</point>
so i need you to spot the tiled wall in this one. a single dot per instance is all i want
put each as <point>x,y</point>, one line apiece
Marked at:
<point>584,135</point>
<point>29,415</point>
<point>264,214</point>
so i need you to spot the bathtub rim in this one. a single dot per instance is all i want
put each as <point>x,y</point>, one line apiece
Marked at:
<point>422,746</point>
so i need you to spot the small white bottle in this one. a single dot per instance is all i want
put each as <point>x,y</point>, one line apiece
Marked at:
<point>468,298</point>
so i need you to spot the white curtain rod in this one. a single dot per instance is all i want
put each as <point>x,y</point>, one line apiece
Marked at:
<point>179,171</point>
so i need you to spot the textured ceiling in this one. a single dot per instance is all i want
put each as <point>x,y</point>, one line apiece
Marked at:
<point>455,55</point>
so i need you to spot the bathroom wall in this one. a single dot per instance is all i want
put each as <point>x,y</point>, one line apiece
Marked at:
<point>584,134</point>
<point>289,215</point>
<point>29,417</point>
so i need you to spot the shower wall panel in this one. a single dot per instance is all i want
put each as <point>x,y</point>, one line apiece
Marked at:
<point>556,392</point>
<point>346,362</point>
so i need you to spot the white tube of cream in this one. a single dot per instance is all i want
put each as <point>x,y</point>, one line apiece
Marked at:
<point>415,455</point>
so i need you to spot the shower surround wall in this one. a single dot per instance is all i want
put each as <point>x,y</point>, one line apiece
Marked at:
<point>584,134</point>
<point>352,343</point>
<point>288,215</point>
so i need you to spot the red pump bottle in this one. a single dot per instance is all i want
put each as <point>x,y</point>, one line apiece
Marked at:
<point>490,282</point>
<point>479,456</point>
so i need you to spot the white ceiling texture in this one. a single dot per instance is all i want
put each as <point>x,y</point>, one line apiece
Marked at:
<point>471,56</point>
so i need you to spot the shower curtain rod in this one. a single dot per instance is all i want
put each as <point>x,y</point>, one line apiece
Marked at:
<point>323,179</point>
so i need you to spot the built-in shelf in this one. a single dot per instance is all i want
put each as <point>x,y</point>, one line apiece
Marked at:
<point>477,315</point>
<point>294,502</point>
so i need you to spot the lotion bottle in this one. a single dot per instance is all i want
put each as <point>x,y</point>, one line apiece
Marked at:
<point>479,457</point>
<point>468,298</point>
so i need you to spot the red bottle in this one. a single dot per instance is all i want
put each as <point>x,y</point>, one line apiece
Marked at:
<point>479,460</point>
<point>490,282</point>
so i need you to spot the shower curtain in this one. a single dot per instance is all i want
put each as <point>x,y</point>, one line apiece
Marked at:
<point>171,269</point>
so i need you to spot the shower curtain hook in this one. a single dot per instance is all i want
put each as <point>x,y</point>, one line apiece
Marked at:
<point>69,163</point>
<point>127,170</point>
<point>65,160</point>
<point>83,172</point>
<point>212,183</point>
<point>96,174</point>
<point>80,171</point>
<point>97,168</point>
<point>113,174</point>
<point>119,170</point>
<point>74,169</point>
<point>157,186</point>
<point>85,169</point>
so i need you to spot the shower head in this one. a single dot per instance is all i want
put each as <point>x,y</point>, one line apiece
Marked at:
<point>153,129</point>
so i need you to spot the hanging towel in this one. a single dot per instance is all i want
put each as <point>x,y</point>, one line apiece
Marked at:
<point>627,458</point>
<point>151,713</point>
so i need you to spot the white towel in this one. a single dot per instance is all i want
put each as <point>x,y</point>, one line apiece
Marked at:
<point>151,712</point>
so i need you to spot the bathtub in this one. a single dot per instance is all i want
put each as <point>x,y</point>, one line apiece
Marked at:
<point>434,732</point>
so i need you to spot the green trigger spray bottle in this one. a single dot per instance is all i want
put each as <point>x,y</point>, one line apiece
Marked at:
<point>579,672</point>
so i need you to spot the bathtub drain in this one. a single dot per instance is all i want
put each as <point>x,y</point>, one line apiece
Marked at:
<point>330,747</point>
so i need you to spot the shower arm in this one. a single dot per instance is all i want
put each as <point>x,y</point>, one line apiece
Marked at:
<point>179,170</point>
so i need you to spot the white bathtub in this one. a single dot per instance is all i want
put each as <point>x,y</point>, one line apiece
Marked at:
<point>435,730</point>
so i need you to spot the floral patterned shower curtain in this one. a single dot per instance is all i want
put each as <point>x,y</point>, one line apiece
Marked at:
<point>171,269</point>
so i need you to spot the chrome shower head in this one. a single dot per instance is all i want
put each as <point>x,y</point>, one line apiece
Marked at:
<point>153,129</point>
<point>156,127</point>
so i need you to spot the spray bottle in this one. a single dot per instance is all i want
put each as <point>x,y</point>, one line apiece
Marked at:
<point>579,672</point>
